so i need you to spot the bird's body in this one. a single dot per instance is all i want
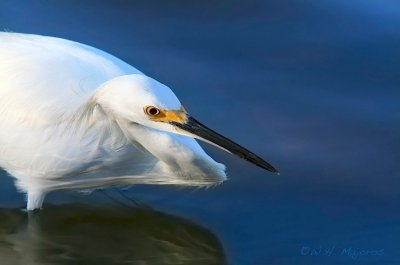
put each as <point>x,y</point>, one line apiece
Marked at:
<point>66,121</point>
<point>43,81</point>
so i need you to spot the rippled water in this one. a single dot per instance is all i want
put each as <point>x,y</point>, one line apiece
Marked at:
<point>312,86</point>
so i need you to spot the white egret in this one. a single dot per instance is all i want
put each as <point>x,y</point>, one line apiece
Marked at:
<point>75,117</point>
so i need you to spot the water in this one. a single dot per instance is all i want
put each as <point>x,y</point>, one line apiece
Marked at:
<point>74,234</point>
<point>312,86</point>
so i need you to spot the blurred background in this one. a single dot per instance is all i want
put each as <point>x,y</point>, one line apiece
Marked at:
<point>311,86</point>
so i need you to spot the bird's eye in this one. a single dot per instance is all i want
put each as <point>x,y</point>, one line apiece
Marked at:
<point>152,111</point>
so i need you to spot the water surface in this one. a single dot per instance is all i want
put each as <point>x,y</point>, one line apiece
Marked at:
<point>312,86</point>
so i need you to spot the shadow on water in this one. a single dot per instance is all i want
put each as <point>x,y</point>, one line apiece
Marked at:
<point>81,234</point>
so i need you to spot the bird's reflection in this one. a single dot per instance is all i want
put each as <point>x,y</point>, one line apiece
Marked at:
<point>79,234</point>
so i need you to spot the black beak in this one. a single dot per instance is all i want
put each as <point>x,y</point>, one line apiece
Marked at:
<point>204,133</point>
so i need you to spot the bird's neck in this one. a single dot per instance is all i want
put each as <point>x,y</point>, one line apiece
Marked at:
<point>180,155</point>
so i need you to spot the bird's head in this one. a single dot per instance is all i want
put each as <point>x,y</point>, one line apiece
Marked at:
<point>139,99</point>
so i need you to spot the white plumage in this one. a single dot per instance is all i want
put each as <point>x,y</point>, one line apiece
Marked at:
<point>72,116</point>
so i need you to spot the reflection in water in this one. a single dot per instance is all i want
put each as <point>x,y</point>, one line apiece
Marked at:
<point>78,234</point>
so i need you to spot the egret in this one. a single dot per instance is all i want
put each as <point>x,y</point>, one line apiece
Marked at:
<point>75,117</point>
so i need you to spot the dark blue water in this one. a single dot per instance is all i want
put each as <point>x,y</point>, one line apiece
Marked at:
<point>312,86</point>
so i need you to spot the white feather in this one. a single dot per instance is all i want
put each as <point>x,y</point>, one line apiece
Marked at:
<point>71,117</point>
